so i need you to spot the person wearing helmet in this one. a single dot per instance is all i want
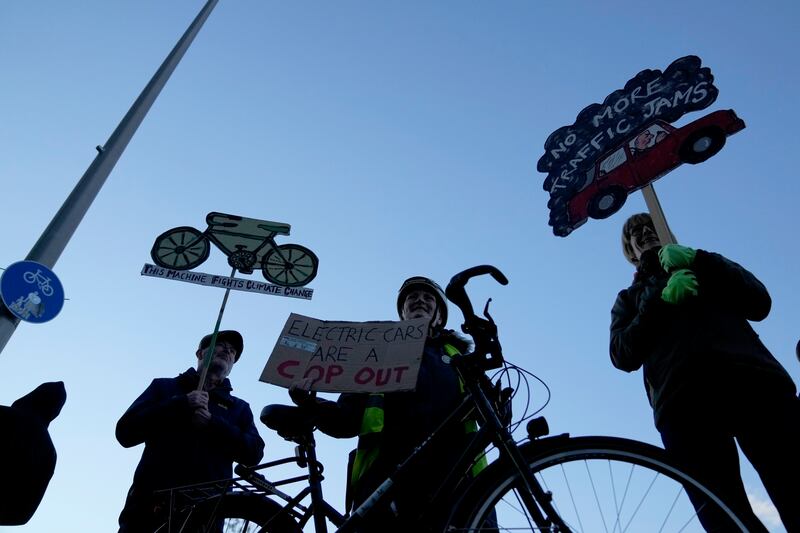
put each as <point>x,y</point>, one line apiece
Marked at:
<point>390,426</point>
<point>190,436</point>
<point>421,297</point>
<point>710,380</point>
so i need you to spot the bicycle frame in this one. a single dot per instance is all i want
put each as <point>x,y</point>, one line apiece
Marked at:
<point>319,508</point>
<point>203,493</point>
<point>210,234</point>
<point>491,431</point>
<point>535,499</point>
<point>448,489</point>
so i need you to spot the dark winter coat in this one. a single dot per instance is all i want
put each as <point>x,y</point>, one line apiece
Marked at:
<point>27,454</point>
<point>691,350</point>
<point>176,453</point>
<point>409,416</point>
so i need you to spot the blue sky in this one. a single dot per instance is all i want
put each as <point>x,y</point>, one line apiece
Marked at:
<point>397,138</point>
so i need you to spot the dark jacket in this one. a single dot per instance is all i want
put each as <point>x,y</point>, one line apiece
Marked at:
<point>690,350</point>
<point>27,454</point>
<point>177,453</point>
<point>410,416</point>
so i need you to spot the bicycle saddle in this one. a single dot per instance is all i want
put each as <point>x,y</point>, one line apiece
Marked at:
<point>290,422</point>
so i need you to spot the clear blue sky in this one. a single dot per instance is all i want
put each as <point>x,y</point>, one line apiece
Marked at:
<point>398,138</point>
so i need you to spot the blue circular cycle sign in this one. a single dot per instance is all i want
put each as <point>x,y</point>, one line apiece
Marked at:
<point>31,291</point>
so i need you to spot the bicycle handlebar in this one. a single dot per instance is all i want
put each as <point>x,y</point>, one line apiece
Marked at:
<point>483,331</point>
<point>455,289</point>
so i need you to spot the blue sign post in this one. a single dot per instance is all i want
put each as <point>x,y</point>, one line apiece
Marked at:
<point>31,291</point>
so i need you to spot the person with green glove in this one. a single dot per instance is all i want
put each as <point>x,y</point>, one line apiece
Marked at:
<point>710,380</point>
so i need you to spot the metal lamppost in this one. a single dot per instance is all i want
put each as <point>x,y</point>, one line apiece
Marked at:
<point>54,239</point>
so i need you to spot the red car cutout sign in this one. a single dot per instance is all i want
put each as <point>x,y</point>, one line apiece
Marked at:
<point>642,159</point>
<point>627,142</point>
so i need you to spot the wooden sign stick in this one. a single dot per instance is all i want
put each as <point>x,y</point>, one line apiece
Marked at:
<point>657,214</point>
<point>213,344</point>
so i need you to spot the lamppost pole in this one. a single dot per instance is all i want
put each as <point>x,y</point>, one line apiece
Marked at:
<point>54,239</point>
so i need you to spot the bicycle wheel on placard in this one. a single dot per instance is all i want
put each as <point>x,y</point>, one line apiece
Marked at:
<point>290,265</point>
<point>249,513</point>
<point>597,484</point>
<point>181,248</point>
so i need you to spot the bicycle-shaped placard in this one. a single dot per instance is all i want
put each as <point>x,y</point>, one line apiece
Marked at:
<point>246,241</point>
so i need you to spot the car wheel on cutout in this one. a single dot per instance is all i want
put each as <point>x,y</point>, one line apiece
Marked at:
<point>701,145</point>
<point>607,202</point>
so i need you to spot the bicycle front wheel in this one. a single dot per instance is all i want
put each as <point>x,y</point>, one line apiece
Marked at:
<point>596,484</point>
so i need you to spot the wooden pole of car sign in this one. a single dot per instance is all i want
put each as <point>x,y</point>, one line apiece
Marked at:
<point>628,142</point>
<point>665,235</point>
<point>248,243</point>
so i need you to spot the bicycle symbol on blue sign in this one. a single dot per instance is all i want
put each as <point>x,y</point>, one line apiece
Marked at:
<point>31,291</point>
<point>41,279</point>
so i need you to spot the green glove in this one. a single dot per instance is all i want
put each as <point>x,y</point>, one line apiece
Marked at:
<point>681,285</point>
<point>674,256</point>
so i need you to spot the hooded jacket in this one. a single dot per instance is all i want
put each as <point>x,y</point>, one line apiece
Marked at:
<point>176,453</point>
<point>690,351</point>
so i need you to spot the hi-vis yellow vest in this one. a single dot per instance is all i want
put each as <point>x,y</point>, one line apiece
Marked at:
<point>372,426</point>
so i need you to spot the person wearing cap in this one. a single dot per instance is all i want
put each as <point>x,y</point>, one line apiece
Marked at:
<point>189,435</point>
<point>710,380</point>
<point>389,426</point>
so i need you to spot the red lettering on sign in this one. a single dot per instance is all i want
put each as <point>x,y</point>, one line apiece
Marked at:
<point>400,370</point>
<point>382,377</point>
<point>333,371</point>
<point>284,367</point>
<point>364,375</point>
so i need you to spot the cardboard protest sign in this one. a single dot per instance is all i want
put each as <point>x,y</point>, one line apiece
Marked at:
<point>347,356</point>
<point>627,142</point>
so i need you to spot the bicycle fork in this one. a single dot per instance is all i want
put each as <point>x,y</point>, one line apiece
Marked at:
<point>535,499</point>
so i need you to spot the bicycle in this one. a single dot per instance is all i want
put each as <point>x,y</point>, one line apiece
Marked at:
<point>246,242</point>
<point>528,487</point>
<point>40,279</point>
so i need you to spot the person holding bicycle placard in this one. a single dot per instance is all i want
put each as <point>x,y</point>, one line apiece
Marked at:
<point>708,377</point>
<point>389,426</point>
<point>191,434</point>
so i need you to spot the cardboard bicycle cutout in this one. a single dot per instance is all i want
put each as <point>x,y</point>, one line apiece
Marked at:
<point>627,142</point>
<point>248,243</point>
